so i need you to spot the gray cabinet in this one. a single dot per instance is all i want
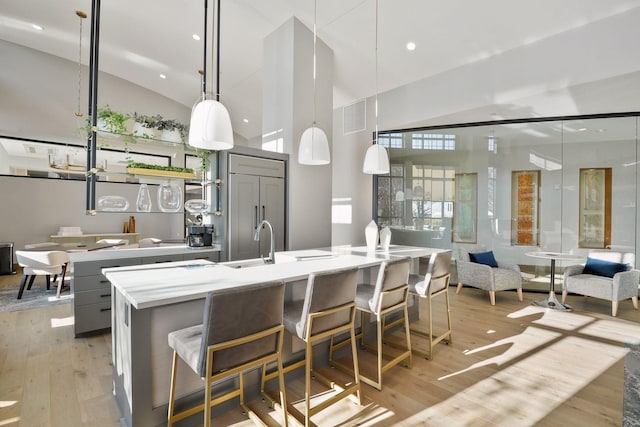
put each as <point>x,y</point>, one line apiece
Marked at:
<point>257,191</point>
<point>92,291</point>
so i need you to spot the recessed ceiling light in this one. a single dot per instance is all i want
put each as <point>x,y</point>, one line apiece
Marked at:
<point>196,37</point>
<point>162,76</point>
<point>411,46</point>
<point>602,130</point>
<point>582,129</point>
<point>36,27</point>
<point>245,120</point>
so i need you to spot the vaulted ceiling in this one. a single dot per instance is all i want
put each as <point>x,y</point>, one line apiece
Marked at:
<point>142,39</point>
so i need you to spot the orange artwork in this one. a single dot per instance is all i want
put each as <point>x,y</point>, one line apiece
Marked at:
<point>525,207</point>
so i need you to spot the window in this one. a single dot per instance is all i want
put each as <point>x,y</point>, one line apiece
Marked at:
<point>391,140</point>
<point>432,194</point>
<point>390,209</point>
<point>433,141</point>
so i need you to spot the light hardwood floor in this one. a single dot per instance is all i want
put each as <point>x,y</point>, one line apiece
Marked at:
<point>509,365</point>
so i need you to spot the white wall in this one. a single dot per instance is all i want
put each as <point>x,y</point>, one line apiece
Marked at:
<point>288,111</point>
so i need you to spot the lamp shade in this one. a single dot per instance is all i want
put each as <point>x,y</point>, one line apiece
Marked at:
<point>376,161</point>
<point>210,127</point>
<point>314,147</point>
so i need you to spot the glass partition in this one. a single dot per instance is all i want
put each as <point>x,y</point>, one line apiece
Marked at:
<point>515,187</point>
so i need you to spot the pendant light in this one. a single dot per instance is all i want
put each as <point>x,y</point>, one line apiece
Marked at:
<point>210,126</point>
<point>314,145</point>
<point>376,161</point>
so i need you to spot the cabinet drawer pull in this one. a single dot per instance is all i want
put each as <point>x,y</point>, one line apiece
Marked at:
<point>105,309</point>
<point>112,266</point>
<point>104,281</point>
<point>105,295</point>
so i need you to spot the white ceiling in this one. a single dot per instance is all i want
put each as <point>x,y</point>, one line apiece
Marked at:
<point>141,39</point>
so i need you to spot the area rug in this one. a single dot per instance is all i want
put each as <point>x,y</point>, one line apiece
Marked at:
<point>38,296</point>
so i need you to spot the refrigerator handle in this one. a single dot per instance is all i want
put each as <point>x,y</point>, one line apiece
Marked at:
<point>263,213</point>
<point>255,226</point>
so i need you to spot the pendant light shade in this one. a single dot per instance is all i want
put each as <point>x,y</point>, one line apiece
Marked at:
<point>376,161</point>
<point>314,144</point>
<point>210,127</point>
<point>314,147</point>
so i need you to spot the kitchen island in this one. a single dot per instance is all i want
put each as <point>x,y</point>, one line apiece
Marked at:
<point>149,301</point>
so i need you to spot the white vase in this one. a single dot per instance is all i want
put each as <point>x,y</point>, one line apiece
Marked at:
<point>371,236</point>
<point>143,132</point>
<point>385,238</point>
<point>171,136</point>
<point>169,197</point>
<point>143,203</point>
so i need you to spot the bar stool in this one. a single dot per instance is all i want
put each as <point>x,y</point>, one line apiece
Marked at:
<point>328,309</point>
<point>434,283</point>
<point>242,329</point>
<point>389,295</point>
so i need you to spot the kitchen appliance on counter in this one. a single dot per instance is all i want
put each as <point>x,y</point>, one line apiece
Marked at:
<point>199,236</point>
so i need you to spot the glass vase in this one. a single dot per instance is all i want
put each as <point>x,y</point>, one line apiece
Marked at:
<point>170,197</point>
<point>143,203</point>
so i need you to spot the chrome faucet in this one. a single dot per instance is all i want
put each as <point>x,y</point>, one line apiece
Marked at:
<point>256,237</point>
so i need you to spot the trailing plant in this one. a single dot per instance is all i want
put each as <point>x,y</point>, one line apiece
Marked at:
<point>171,125</point>
<point>147,121</point>
<point>112,121</point>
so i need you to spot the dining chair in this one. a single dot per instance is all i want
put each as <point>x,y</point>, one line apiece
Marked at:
<point>241,330</point>
<point>42,263</point>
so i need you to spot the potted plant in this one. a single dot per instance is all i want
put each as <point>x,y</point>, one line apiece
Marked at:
<point>145,126</point>
<point>109,120</point>
<point>171,130</point>
<point>149,169</point>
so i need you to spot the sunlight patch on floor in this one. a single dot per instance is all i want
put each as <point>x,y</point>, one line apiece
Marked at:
<point>529,340</point>
<point>60,322</point>
<point>565,320</point>
<point>528,390</point>
<point>613,330</point>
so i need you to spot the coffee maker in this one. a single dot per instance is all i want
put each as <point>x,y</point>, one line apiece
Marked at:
<point>199,236</point>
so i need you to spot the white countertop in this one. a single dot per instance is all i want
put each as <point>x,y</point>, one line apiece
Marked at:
<point>115,253</point>
<point>146,286</point>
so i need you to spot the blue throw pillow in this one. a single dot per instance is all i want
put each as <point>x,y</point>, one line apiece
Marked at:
<point>485,258</point>
<point>603,268</point>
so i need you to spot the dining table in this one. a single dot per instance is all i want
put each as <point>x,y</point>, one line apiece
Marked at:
<point>551,301</point>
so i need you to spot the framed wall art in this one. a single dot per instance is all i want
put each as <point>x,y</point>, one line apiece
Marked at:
<point>594,228</point>
<point>465,208</point>
<point>525,208</point>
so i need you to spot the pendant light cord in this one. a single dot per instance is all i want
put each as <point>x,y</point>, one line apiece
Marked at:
<point>82,16</point>
<point>375,137</point>
<point>315,52</point>
<point>204,59</point>
<point>218,50</point>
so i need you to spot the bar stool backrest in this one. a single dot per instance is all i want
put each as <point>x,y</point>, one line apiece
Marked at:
<point>392,275</point>
<point>328,290</point>
<point>236,313</point>
<point>437,273</point>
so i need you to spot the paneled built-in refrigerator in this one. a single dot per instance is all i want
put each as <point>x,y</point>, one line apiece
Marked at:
<point>254,190</point>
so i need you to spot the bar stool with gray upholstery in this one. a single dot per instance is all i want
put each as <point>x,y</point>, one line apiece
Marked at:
<point>387,296</point>
<point>327,310</point>
<point>434,283</point>
<point>242,329</point>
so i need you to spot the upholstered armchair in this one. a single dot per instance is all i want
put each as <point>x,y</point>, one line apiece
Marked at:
<point>492,276</point>
<point>607,275</point>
